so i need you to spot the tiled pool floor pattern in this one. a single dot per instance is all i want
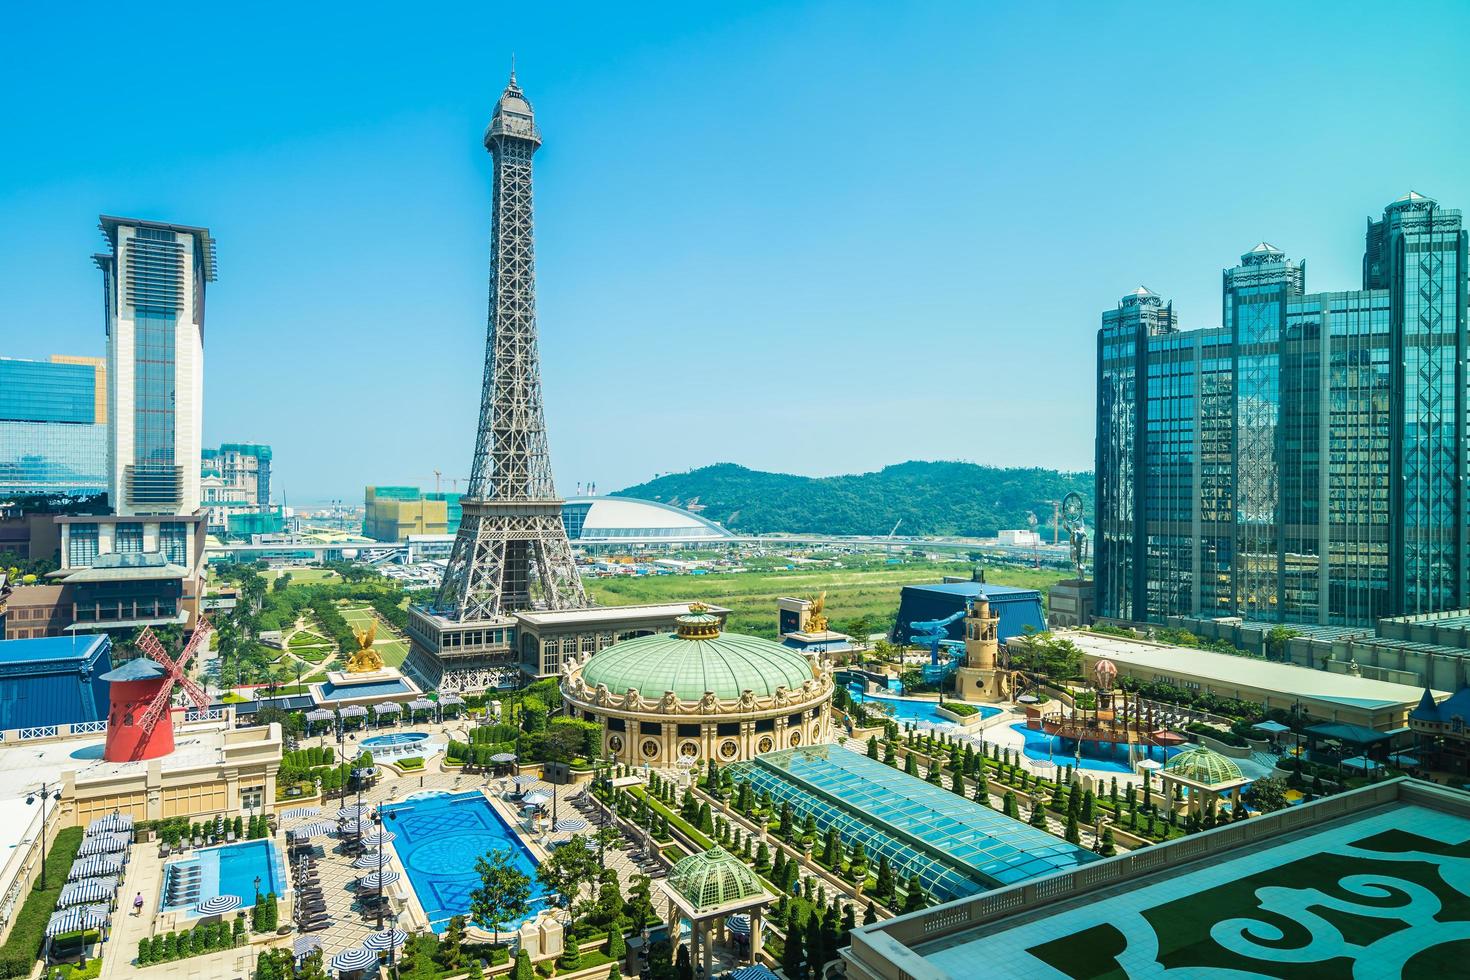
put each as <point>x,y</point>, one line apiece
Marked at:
<point>438,841</point>
<point>1012,952</point>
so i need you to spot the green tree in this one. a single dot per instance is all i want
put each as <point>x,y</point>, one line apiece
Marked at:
<point>883,879</point>
<point>504,892</point>
<point>793,962</point>
<point>1267,795</point>
<point>1109,846</point>
<point>914,898</point>
<point>565,873</point>
<point>1073,833</point>
<point>1009,806</point>
<point>911,764</point>
<point>872,746</point>
<point>1038,814</point>
<point>523,970</point>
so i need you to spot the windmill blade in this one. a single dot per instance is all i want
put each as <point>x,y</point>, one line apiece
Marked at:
<point>194,692</point>
<point>148,642</point>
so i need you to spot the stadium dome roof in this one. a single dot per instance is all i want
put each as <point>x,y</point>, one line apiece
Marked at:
<point>625,520</point>
<point>696,659</point>
<point>1205,766</point>
<point>713,879</point>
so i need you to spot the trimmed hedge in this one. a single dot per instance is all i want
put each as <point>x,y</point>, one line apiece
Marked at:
<point>19,954</point>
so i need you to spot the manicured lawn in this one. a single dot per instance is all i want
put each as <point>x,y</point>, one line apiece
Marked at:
<point>391,647</point>
<point>306,638</point>
<point>23,946</point>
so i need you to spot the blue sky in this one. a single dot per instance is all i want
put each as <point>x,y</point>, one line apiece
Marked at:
<point>811,237</point>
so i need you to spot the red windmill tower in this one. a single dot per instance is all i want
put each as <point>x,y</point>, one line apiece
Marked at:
<point>141,693</point>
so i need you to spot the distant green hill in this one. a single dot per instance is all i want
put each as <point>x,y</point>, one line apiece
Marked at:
<point>930,498</point>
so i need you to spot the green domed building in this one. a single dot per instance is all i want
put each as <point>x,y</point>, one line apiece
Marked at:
<point>700,693</point>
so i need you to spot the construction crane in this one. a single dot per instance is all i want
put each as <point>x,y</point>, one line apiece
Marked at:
<point>888,545</point>
<point>437,474</point>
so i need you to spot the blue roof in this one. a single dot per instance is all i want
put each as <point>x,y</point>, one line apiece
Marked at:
<point>1456,704</point>
<point>54,680</point>
<point>1016,608</point>
<point>53,649</point>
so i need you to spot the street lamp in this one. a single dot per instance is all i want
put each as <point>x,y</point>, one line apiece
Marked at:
<point>48,791</point>
<point>257,888</point>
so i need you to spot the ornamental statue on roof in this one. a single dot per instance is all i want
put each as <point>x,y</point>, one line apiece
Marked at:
<point>365,659</point>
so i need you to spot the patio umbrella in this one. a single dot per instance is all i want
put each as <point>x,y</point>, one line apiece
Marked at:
<point>218,905</point>
<point>320,714</point>
<point>1274,727</point>
<point>378,838</point>
<point>385,940</point>
<point>301,813</point>
<point>352,812</point>
<point>421,704</point>
<point>572,824</point>
<point>525,780</point>
<point>1150,764</point>
<point>353,959</point>
<point>87,892</point>
<point>377,880</point>
<point>1026,699</point>
<point>106,844</point>
<point>98,866</point>
<point>388,708</point>
<point>370,862</point>
<point>316,829</point>
<point>1360,762</point>
<point>354,828</point>
<point>112,821</point>
<point>535,799</point>
<point>1405,759</point>
<point>738,923</point>
<point>306,945</point>
<point>353,711</point>
<point>501,758</point>
<point>76,919</point>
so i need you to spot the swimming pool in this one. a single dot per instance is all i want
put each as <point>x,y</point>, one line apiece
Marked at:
<point>1096,756</point>
<point>394,740</point>
<point>230,869</point>
<point>915,709</point>
<point>438,840</point>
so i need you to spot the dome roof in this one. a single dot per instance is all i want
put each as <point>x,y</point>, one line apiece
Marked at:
<point>1204,766</point>
<point>713,879</point>
<point>696,659</point>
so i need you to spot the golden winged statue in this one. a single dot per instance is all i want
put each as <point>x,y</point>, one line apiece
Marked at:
<point>815,621</point>
<point>366,659</point>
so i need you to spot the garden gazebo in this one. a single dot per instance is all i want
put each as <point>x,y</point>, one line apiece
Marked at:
<point>706,889</point>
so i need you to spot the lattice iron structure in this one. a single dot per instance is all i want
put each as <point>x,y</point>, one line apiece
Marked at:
<point>511,552</point>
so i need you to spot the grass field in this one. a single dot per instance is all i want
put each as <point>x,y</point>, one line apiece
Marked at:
<point>851,593</point>
<point>304,576</point>
<point>391,648</point>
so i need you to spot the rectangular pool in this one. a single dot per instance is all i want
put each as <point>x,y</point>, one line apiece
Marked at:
<point>437,839</point>
<point>230,869</point>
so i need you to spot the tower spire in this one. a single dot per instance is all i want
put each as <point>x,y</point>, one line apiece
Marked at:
<point>511,552</point>
<point>513,70</point>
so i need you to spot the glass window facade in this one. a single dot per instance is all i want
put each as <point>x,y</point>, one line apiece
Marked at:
<point>1304,462</point>
<point>956,846</point>
<point>173,541</point>
<point>82,546</point>
<point>53,438</point>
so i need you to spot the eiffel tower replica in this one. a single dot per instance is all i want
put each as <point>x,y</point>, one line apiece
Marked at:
<point>511,552</point>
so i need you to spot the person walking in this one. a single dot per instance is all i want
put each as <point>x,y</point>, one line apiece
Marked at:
<point>138,904</point>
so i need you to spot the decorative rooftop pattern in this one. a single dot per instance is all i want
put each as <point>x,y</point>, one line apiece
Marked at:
<point>713,879</point>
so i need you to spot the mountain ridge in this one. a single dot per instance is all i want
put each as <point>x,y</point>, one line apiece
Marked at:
<point>929,497</point>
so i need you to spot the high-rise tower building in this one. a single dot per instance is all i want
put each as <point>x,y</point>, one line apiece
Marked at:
<point>154,278</point>
<point>53,426</point>
<point>1305,461</point>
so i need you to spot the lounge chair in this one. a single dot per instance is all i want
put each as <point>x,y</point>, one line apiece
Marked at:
<point>229,837</point>
<point>164,850</point>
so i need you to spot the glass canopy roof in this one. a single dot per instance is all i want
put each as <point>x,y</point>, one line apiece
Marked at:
<point>956,846</point>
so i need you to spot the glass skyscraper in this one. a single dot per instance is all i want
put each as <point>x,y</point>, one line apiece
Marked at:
<point>1304,461</point>
<point>53,426</point>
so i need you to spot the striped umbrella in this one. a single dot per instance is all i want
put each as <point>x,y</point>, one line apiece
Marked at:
<point>353,959</point>
<point>370,862</point>
<point>77,919</point>
<point>535,799</point>
<point>301,813</point>
<point>385,940</point>
<point>98,866</point>
<point>572,824</point>
<point>378,880</point>
<point>103,844</point>
<point>306,945</point>
<point>378,838</point>
<point>112,821</point>
<point>218,905</point>
<point>525,780</point>
<point>738,923</point>
<point>353,812</point>
<point>354,828</point>
<point>501,758</point>
<point>756,972</point>
<point>87,892</point>
<point>316,829</point>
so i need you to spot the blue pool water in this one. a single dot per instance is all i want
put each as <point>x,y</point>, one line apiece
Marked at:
<point>398,738</point>
<point>914,709</point>
<point>331,692</point>
<point>230,869</point>
<point>439,838</point>
<point>1096,756</point>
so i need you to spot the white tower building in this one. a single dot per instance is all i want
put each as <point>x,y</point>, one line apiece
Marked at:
<point>154,281</point>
